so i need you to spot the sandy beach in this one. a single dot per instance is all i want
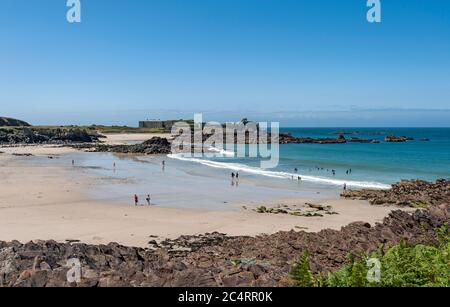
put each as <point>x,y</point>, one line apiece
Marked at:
<point>50,202</point>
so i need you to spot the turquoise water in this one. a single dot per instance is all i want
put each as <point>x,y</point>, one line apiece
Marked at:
<point>383,162</point>
<point>372,165</point>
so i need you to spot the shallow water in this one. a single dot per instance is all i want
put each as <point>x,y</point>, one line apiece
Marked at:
<point>180,184</point>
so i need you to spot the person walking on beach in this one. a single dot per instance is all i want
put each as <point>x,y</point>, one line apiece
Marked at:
<point>148,199</point>
<point>136,200</point>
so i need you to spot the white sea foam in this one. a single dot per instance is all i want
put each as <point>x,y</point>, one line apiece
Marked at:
<point>280,175</point>
<point>222,152</point>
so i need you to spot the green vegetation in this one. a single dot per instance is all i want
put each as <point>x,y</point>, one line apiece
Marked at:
<point>124,129</point>
<point>12,122</point>
<point>105,129</point>
<point>401,266</point>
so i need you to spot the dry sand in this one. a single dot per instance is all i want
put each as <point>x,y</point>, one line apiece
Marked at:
<point>48,202</point>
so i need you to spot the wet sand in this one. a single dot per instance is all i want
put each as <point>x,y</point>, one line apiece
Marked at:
<point>51,202</point>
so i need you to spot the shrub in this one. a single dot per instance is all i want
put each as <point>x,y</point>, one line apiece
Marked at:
<point>401,266</point>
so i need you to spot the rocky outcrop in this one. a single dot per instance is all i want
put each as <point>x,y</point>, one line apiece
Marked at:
<point>397,139</point>
<point>212,259</point>
<point>407,193</point>
<point>155,146</point>
<point>11,122</point>
<point>305,210</point>
<point>289,139</point>
<point>14,136</point>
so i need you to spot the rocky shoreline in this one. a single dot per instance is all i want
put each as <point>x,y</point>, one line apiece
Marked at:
<point>407,193</point>
<point>212,259</point>
<point>34,136</point>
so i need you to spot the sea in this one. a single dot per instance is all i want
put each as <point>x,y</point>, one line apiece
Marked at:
<point>358,165</point>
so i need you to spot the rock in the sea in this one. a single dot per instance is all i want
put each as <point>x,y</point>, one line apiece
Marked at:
<point>397,139</point>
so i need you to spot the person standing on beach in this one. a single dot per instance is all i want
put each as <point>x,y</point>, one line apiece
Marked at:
<point>136,200</point>
<point>345,187</point>
<point>148,199</point>
<point>73,162</point>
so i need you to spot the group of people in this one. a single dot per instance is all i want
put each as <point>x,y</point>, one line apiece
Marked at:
<point>235,179</point>
<point>333,171</point>
<point>147,198</point>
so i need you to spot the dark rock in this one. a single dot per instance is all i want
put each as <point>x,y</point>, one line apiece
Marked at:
<point>154,146</point>
<point>397,139</point>
<point>28,135</point>
<point>407,193</point>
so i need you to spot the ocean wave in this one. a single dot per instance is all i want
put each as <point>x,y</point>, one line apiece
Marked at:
<point>280,175</point>
<point>223,152</point>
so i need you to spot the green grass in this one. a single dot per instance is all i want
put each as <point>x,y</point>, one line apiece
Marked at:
<point>100,129</point>
<point>124,129</point>
<point>401,266</point>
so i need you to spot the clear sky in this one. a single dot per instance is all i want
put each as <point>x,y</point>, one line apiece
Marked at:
<point>303,62</point>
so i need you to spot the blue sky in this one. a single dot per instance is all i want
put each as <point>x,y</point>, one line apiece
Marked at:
<point>315,62</point>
